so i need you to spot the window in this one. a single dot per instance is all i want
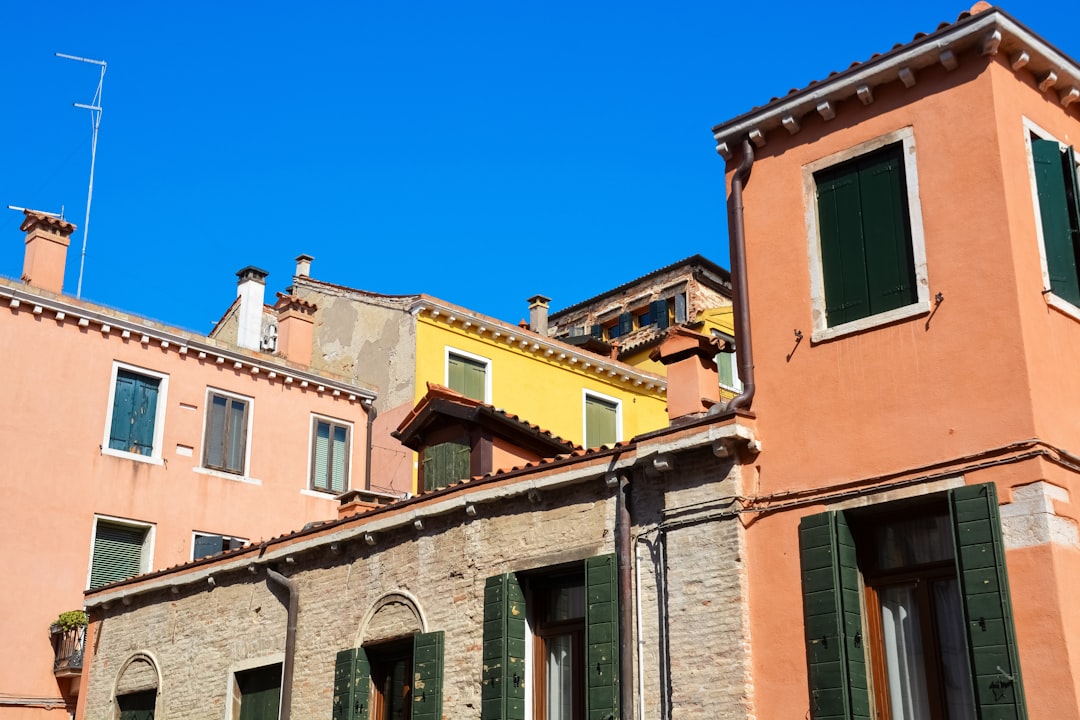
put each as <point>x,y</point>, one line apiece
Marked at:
<point>390,681</point>
<point>468,375</point>
<point>602,418</point>
<point>925,585</point>
<point>727,364</point>
<point>566,616</point>
<point>257,693</point>
<point>137,705</point>
<point>207,544</point>
<point>330,455</point>
<point>867,257</point>
<point>120,550</point>
<point>1058,202</point>
<point>445,463</point>
<point>134,423</point>
<point>225,445</point>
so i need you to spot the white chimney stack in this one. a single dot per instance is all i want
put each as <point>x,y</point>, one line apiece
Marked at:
<point>251,289</point>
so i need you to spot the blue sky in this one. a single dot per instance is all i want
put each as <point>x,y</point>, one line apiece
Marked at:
<point>480,152</point>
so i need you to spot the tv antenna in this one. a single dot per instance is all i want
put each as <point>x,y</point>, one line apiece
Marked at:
<point>95,121</point>
<point>58,216</point>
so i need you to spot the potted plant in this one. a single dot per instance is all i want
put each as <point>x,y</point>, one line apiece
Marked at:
<point>70,620</point>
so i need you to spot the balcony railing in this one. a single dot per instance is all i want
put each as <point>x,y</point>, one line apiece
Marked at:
<point>68,646</point>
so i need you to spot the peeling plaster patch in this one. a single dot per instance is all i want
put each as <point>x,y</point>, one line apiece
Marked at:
<point>1029,520</point>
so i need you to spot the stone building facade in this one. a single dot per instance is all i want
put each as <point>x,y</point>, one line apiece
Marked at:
<point>418,568</point>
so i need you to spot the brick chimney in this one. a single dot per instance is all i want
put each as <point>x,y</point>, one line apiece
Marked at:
<point>251,289</point>
<point>693,384</point>
<point>47,240</point>
<point>296,328</point>
<point>538,314</point>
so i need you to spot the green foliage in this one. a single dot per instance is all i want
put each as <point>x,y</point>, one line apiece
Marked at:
<point>70,620</point>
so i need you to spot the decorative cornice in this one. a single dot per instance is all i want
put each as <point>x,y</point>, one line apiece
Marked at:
<point>543,348</point>
<point>109,324</point>
<point>990,32</point>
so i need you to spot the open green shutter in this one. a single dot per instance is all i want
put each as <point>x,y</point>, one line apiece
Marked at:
<point>502,691</point>
<point>658,310</point>
<point>352,685</point>
<point>843,263</point>
<point>980,566</point>
<point>890,265</point>
<point>832,619</point>
<point>427,676</point>
<point>1051,178</point>
<point>601,638</point>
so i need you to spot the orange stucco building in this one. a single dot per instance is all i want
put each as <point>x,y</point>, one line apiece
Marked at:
<point>914,220</point>
<point>130,446</point>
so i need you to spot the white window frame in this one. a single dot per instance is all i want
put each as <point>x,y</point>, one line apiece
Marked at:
<point>585,395</point>
<point>196,534</point>
<point>247,444</point>
<point>146,562</point>
<point>155,455</point>
<point>310,488</point>
<point>821,330</point>
<point>1055,301</point>
<point>486,362</point>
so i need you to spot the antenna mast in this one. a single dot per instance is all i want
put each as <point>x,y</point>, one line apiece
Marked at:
<point>95,121</point>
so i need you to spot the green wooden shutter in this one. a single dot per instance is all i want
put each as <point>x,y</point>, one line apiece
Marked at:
<point>1052,182</point>
<point>468,377</point>
<point>502,692</point>
<point>446,463</point>
<point>137,706</point>
<point>843,261</point>
<point>980,567</point>
<point>260,693</point>
<point>123,403</point>
<point>145,414</point>
<point>626,323</point>
<point>890,264</point>
<point>117,553</point>
<point>658,310</point>
<point>600,422</point>
<point>602,638</point>
<point>832,619</point>
<point>339,451</point>
<point>352,685</point>
<point>597,331</point>
<point>427,676</point>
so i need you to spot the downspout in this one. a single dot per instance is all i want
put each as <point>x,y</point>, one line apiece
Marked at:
<point>372,413</point>
<point>290,641</point>
<point>624,552</point>
<point>740,295</point>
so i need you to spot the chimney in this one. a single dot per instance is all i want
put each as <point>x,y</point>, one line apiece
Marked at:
<point>693,384</point>
<point>47,240</point>
<point>296,328</point>
<point>303,265</point>
<point>538,314</point>
<point>251,288</point>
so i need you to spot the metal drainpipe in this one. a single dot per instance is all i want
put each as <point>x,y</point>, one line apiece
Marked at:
<point>624,545</point>
<point>290,641</point>
<point>737,235</point>
<point>372,413</point>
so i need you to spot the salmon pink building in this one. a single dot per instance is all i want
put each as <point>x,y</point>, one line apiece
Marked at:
<point>906,233</point>
<point>130,446</point>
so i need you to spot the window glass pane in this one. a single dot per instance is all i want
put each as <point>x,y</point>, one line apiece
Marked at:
<point>913,541</point>
<point>565,603</point>
<point>953,649</point>
<point>321,456</point>
<point>215,431</point>
<point>559,680</point>
<point>904,660</point>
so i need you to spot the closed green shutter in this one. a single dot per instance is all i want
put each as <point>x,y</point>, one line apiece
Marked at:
<point>260,693</point>
<point>980,566</point>
<point>600,422</point>
<point>502,691</point>
<point>626,323</point>
<point>602,638</point>
<point>134,413</point>
<point>843,263</point>
<point>427,676</point>
<point>445,464</point>
<point>117,553</point>
<point>833,619</point>
<point>468,377</point>
<point>352,685</point>
<point>1055,176</point>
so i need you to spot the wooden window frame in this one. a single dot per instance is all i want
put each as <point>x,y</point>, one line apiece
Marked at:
<point>822,331</point>
<point>230,398</point>
<point>333,423</point>
<point>538,596</point>
<point>380,657</point>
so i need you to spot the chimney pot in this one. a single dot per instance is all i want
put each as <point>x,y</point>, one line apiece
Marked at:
<point>538,314</point>
<point>303,265</point>
<point>47,241</point>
